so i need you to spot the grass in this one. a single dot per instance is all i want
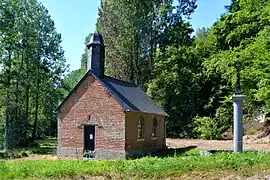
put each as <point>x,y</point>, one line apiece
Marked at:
<point>183,163</point>
<point>244,164</point>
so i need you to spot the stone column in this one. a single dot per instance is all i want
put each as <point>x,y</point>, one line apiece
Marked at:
<point>238,125</point>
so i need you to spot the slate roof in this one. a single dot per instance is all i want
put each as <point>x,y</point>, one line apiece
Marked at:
<point>130,96</point>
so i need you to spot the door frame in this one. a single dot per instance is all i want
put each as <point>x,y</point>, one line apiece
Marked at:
<point>87,125</point>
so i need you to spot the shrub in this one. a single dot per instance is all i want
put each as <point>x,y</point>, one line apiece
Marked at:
<point>213,127</point>
<point>205,127</point>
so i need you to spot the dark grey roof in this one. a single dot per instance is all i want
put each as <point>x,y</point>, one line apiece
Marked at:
<point>128,95</point>
<point>131,97</point>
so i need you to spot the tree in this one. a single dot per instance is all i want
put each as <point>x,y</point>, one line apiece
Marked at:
<point>149,43</point>
<point>133,31</point>
<point>243,31</point>
<point>176,87</point>
<point>31,59</point>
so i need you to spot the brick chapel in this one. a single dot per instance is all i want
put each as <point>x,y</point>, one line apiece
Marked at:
<point>107,116</point>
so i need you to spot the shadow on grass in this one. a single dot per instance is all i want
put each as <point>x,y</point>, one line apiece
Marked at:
<point>231,151</point>
<point>44,150</point>
<point>220,151</point>
<point>42,147</point>
<point>45,147</point>
<point>171,152</point>
<point>167,152</point>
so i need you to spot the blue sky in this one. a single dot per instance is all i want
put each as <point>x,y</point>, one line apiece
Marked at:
<point>76,19</point>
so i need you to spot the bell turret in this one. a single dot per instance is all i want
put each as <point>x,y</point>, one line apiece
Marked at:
<point>96,55</point>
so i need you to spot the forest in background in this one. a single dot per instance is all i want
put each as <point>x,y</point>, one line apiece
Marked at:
<point>32,68</point>
<point>151,43</point>
<point>148,42</point>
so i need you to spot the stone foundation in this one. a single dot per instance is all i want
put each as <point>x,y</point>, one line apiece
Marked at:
<point>70,152</point>
<point>67,152</point>
<point>110,154</point>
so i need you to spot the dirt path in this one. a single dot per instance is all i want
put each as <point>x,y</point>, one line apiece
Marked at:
<point>214,144</point>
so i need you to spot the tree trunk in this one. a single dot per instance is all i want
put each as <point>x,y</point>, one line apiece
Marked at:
<point>6,141</point>
<point>17,104</point>
<point>27,99</point>
<point>52,132</point>
<point>7,127</point>
<point>36,108</point>
<point>151,54</point>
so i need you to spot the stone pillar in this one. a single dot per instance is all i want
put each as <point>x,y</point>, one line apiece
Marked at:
<point>238,125</point>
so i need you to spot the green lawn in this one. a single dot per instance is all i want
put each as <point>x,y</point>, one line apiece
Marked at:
<point>189,162</point>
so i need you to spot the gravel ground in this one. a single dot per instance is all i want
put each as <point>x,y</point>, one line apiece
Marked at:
<point>215,144</point>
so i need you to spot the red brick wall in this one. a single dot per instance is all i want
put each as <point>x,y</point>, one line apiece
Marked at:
<point>91,99</point>
<point>148,142</point>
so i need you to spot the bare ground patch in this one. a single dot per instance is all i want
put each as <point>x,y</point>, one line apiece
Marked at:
<point>215,144</point>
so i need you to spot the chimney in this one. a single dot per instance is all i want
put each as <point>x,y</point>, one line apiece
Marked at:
<point>96,55</point>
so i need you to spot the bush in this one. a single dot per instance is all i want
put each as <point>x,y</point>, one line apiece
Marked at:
<point>214,127</point>
<point>205,127</point>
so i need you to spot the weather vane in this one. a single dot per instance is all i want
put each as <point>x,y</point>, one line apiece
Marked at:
<point>237,66</point>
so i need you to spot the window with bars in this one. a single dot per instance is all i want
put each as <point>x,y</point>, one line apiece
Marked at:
<point>154,128</point>
<point>140,135</point>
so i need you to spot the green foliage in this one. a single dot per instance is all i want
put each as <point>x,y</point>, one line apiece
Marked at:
<point>133,31</point>
<point>206,127</point>
<point>213,127</point>
<point>244,31</point>
<point>144,168</point>
<point>2,130</point>
<point>14,154</point>
<point>137,36</point>
<point>72,79</point>
<point>32,67</point>
<point>192,78</point>
<point>175,87</point>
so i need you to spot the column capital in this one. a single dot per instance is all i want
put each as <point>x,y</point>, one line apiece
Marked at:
<point>238,97</point>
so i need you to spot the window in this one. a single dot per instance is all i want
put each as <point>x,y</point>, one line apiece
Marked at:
<point>154,128</point>
<point>140,135</point>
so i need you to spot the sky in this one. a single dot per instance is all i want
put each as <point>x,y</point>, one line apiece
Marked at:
<point>75,19</point>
